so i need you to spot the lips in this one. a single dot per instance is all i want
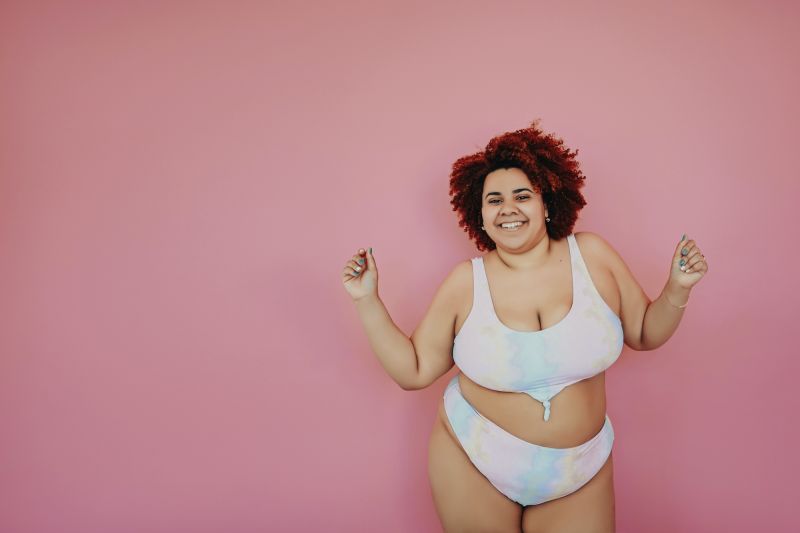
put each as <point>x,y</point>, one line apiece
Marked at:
<point>523,222</point>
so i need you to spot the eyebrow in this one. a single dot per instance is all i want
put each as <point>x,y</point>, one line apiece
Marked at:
<point>515,191</point>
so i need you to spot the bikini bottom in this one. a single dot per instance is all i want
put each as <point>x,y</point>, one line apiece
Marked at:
<point>526,473</point>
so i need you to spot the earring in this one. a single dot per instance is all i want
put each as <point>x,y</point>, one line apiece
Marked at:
<point>484,229</point>
<point>547,219</point>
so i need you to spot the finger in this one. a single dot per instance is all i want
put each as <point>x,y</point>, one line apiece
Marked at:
<point>677,255</point>
<point>360,260</point>
<point>348,274</point>
<point>699,268</point>
<point>685,252</point>
<point>686,260</point>
<point>371,261</point>
<point>699,265</point>
<point>693,260</point>
<point>357,268</point>
<point>352,266</point>
<point>681,250</point>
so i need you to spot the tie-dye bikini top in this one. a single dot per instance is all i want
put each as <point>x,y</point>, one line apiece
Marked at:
<point>540,363</point>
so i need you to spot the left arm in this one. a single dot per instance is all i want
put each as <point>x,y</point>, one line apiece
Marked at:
<point>649,324</point>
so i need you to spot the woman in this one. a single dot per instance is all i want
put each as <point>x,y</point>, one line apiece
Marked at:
<point>522,440</point>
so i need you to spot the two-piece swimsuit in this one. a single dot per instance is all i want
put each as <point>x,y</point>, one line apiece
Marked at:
<point>539,363</point>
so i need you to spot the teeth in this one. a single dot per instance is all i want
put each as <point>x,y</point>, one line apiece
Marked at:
<point>511,225</point>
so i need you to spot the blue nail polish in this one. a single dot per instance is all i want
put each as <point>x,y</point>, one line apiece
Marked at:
<point>683,237</point>
<point>685,251</point>
<point>683,262</point>
<point>360,261</point>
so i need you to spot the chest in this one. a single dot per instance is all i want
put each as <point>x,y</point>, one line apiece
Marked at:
<point>537,302</point>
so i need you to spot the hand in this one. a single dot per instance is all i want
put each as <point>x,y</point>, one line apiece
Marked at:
<point>360,275</point>
<point>689,265</point>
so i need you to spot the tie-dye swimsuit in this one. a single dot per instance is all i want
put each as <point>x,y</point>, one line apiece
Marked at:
<point>539,363</point>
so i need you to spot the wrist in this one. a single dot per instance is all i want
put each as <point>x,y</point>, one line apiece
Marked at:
<point>367,300</point>
<point>676,295</point>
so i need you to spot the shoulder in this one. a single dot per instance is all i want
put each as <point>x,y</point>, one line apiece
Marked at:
<point>597,248</point>
<point>460,277</point>
<point>455,286</point>
<point>601,251</point>
<point>592,242</point>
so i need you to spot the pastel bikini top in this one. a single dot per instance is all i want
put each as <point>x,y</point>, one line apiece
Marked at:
<point>540,363</point>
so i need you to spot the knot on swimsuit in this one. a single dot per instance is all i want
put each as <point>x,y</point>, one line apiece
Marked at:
<point>546,404</point>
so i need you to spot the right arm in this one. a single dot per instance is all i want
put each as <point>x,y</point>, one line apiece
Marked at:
<point>393,349</point>
<point>416,362</point>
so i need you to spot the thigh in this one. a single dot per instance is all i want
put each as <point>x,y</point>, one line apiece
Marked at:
<point>465,500</point>
<point>590,509</point>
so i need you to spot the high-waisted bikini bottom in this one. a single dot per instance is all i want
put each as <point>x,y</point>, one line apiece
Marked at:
<point>526,473</point>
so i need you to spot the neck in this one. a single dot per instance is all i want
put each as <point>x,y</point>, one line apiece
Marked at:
<point>526,260</point>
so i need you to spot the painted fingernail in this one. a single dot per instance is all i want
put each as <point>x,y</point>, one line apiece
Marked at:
<point>683,262</point>
<point>685,251</point>
<point>360,261</point>
<point>356,273</point>
<point>683,237</point>
<point>370,251</point>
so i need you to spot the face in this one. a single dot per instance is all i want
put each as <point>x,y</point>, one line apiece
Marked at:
<point>508,196</point>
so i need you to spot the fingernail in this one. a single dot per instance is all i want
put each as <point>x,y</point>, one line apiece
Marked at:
<point>683,237</point>
<point>683,262</point>
<point>684,251</point>
<point>360,261</point>
<point>370,251</point>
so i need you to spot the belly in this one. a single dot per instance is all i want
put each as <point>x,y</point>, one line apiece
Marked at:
<point>577,413</point>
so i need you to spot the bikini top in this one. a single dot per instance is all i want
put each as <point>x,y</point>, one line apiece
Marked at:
<point>539,363</point>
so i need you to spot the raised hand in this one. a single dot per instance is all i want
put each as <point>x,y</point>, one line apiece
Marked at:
<point>689,265</point>
<point>360,275</point>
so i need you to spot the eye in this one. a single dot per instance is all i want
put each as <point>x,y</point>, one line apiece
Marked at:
<point>494,201</point>
<point>523,197</point>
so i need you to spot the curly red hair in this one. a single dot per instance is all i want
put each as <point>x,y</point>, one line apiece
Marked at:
<point>551,168</point>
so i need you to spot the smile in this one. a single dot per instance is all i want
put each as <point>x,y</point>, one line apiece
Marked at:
<point>514,226</point>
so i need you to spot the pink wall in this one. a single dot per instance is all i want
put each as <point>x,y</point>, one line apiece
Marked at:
<point>180,185</point>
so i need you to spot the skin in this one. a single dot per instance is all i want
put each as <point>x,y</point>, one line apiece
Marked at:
<point>530,281</point>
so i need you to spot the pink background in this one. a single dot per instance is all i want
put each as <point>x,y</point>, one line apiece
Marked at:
<point>181,184</point>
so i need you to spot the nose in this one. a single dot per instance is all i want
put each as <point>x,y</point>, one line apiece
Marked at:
<point>508,209</point>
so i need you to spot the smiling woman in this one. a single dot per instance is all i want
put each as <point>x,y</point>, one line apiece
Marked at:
<point>522,438</point>
<point>540,161</point>
<point>510,212</point>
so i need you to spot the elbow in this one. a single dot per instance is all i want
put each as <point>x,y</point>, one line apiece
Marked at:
<point>639,347</point>
<point>638,344</point>
<point>407,387</point>
<point>419,382</point>
<point>410,385</point>
<point>643,346</point>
